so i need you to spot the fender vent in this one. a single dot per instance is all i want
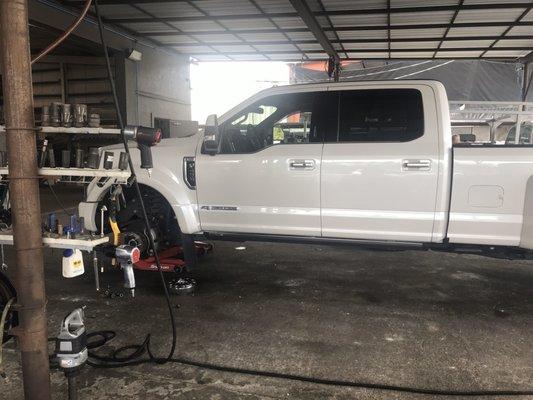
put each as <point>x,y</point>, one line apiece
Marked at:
<point>189,172</point>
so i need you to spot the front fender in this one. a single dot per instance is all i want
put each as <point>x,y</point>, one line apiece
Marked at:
<point>166,177</point>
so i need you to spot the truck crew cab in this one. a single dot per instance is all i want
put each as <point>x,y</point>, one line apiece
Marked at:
<point>362,162</point>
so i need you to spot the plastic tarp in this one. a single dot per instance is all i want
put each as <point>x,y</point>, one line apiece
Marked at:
<point>473,80</point>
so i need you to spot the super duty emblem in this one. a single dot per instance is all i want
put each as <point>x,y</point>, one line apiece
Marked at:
<point>219,208</point>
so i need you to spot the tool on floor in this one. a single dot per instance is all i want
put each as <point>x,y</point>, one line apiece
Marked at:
<point>71,343</point>
<point>127,256</point>
<point>71,348</point>
<point>113,294</point>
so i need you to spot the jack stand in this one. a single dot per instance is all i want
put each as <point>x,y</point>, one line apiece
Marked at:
<point>190,255</point>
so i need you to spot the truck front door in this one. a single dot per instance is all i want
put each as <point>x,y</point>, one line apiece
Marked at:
<point>380,167</point>
<point>265,178</point>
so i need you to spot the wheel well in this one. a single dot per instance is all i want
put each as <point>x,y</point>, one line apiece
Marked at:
<point>163,221</point>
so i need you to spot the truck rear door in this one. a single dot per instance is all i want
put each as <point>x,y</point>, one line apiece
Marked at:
<point>380,167</point>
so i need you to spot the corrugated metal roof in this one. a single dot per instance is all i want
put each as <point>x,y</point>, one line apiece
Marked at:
<point>119,11</point>
<point>370,29</point>
<point>176,9</point>
<point>419,45</point>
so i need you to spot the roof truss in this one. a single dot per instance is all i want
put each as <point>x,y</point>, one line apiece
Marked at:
<point>295,30</point>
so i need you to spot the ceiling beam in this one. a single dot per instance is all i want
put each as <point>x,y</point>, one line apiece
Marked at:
<point>404,50</point>
<point>290,59</point>
<point>331,13</point>
<point>388,25</point>
<point>452,20</point>
<point>346,41</point>
<point>506,31</point>
<point>260,9</point>
<point>527,59</point>
<point>138,8</point>
<point>62,12</point>
<point>343,28</point>
<point>341,45</point>
<point>310,21</point>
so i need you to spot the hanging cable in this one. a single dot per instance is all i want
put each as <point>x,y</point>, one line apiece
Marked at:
<point>65,34</point>
<point>58,201</point>
<point>139,195</point>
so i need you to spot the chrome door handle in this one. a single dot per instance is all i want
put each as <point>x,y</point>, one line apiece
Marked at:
<point>416,165</point>
<point>297,164</point>
<point>302,164</point>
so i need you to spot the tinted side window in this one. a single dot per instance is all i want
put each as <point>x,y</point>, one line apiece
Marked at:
<point>275,120</point>
<point>381,115</point>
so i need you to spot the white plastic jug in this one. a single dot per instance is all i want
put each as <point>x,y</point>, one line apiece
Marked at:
<point>72,263</point>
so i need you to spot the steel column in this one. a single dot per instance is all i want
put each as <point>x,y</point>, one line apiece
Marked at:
<point>24,194</point>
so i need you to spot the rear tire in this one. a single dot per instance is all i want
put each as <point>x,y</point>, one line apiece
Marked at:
<point>7,291</point>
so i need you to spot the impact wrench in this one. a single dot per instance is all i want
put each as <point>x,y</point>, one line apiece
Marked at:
<point>127,256</point>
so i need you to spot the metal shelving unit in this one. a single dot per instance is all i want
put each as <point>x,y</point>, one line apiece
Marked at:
<point>95,173</point>
<point>70,175</point>
<point>86,130</point>
<point>84,244</point>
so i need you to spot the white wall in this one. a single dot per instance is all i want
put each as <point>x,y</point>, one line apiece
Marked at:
<point>157,87</point>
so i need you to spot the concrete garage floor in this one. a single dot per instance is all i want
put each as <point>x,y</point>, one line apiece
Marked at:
<point>408,318</point>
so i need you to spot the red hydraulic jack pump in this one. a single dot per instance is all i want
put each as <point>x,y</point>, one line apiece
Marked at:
<point>172,258</point>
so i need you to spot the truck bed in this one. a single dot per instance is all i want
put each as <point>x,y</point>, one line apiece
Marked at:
<point>492,196</point>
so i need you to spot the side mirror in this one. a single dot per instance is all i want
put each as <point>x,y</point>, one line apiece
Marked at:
<point>211,135</point>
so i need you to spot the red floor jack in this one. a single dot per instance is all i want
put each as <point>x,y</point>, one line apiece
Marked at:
<point>172,261</point>
<point>172,258</point>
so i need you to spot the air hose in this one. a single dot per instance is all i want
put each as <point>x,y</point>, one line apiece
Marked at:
<point>139,195</point>
<point>118,359</point>
<point>132,355</point>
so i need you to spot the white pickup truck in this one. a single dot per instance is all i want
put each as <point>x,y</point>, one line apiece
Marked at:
<point>361,162</point>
